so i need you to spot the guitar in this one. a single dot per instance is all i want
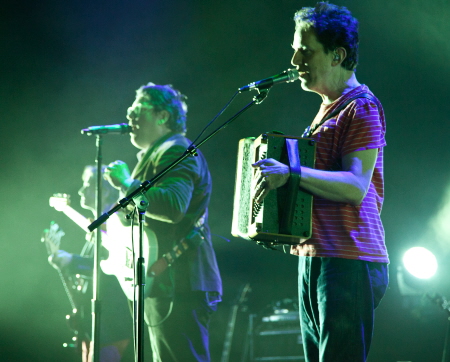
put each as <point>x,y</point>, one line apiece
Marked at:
<point>232,321</point>
<point>73,286</point>
<point>120,241</point>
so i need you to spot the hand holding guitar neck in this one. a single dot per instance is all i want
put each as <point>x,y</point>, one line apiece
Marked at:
<point>61,202</point>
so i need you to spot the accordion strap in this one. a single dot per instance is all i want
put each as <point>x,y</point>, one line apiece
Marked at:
<point>310,130</point>
<point>287,217</point>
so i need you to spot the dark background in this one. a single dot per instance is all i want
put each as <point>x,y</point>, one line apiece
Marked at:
<point>69,65</point>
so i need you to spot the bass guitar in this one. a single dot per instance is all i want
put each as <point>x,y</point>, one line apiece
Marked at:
<point>121,242</point>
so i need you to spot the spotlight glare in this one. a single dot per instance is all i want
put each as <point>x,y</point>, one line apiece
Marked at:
<point>420,262</point>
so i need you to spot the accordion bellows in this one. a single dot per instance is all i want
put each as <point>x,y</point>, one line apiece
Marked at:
<point>285,215</point>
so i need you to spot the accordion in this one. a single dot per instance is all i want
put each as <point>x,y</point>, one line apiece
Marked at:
<point>284,217</point>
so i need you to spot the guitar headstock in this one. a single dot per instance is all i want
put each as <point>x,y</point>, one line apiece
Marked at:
<point>52,238</point>
<point>59,201</point>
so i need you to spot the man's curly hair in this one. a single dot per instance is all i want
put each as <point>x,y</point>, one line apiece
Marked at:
<point>334,27</point>
<point>166,98</point>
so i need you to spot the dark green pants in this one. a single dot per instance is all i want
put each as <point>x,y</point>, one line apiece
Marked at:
<point>179,329</point>
<point>337,299</point>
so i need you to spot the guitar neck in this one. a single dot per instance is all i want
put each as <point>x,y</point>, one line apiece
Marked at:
<point>77,218</point>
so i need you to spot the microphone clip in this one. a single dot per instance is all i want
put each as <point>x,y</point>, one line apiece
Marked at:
<point>262,94</point>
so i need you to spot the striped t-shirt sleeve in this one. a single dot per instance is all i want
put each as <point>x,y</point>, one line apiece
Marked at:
<point>361,127</point>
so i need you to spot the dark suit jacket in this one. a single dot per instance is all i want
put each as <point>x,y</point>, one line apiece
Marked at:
<point>177,202</point>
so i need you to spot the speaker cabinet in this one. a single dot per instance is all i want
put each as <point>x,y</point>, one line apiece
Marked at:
<point>276,337</point>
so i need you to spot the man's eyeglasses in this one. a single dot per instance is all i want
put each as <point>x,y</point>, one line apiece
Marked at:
<point>134,111</point>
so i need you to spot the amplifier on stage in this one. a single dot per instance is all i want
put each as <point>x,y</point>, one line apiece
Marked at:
<point>284,217</point>
<point>276,337</point>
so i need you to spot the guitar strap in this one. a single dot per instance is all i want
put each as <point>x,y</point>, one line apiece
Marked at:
<point>193,240</point>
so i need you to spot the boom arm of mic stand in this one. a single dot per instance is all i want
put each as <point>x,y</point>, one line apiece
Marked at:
<point>191,151</point>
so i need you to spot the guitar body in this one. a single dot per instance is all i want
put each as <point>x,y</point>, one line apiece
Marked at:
<point>119,242</point>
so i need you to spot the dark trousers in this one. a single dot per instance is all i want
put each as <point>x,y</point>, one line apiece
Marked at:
<point>337,299</point>
<point>179,330</point>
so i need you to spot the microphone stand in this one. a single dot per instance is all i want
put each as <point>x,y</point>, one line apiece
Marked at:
<point>96,300</point>
<point>137,197</point>
<point>139,277</point>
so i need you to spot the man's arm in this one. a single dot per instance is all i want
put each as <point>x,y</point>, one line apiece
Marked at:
<point>348,186</point>
<point>118,175</point>
<point>170,197</point>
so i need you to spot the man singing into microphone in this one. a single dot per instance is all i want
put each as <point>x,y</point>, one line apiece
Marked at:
<point>184,295</point>
<point>343,267</point>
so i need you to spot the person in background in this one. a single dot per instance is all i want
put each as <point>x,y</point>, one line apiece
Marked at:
<point>116,328</point>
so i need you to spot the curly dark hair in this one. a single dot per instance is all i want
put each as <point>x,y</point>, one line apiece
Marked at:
<point>166,98</point>
<point>334,27</point>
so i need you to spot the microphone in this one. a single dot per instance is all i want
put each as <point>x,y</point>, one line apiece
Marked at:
<point>287,76</point>
<point>112,128</point>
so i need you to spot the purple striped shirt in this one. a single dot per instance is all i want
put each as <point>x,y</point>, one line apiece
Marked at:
<point>343,230</point>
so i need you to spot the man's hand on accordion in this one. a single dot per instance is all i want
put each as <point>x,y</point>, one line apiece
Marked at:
<point>270,174</point>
